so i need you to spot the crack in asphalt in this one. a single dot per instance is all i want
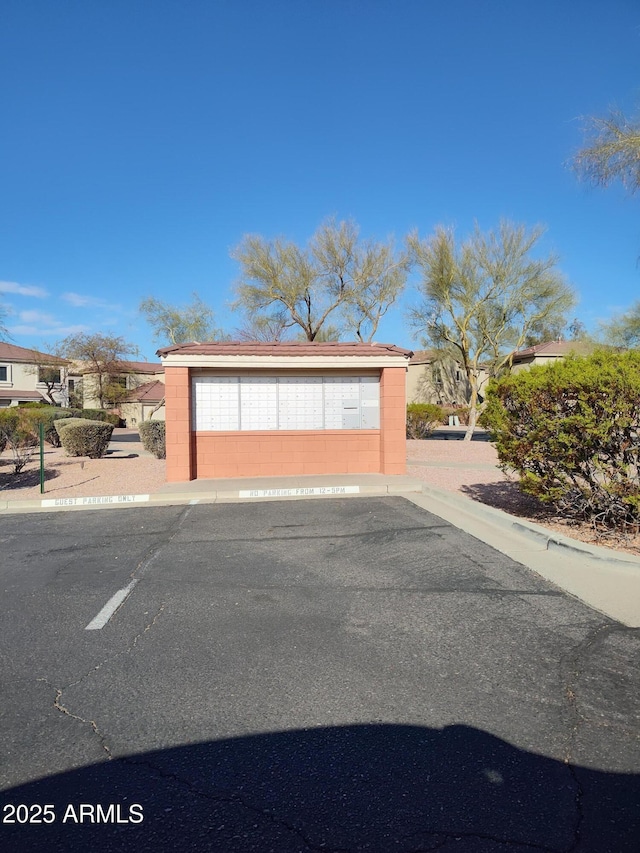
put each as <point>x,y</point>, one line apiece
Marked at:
<point>154,550</point>
<point>571,666</point>
<point>229,797</point>
<point>57,702</point>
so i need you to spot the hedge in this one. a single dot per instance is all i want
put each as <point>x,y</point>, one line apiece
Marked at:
<point>84,437</point>
<point>422,419</point>
<point>152,435</point>
<point>571,431</point>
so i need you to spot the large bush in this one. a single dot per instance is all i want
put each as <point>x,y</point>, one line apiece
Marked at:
<point>152,435</point>
<point>83,437</point>
<point>17,433</point>
<point>47,415</point>
<point>422,419</point>
<point>570,430</point>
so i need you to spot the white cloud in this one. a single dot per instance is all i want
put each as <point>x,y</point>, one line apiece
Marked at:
<point>23,289</point>
<point>58,331</point>
<point>38,317</point>
<point>79,300</point>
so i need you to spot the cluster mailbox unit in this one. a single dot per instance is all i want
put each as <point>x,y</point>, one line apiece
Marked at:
<point>291,408</point>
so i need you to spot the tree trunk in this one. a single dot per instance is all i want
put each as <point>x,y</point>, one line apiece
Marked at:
<point>473,408</point>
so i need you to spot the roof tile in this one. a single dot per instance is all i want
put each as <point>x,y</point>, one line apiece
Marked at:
<point>286,348</point>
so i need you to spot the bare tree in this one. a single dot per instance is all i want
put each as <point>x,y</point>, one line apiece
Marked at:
<point>482,297</point>
<point>52,372</point>
<point>611,152</point>
<point>335,276</point>
<point>177,325</point>
<point>104,358</point>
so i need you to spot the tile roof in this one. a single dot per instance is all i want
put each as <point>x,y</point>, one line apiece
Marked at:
<point>422,356</point>
<point>123,366</point>
<point>553,348</point>
<point>144,366</point>
<point>150,392</point>
<point>13,394</point>
<point>11,352</point>
<point>286,348</point>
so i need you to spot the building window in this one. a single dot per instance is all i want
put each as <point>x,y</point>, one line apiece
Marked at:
<point>49,375</point>
<point>458,375</point>
<point>4,373</point>
<point>436,374</point>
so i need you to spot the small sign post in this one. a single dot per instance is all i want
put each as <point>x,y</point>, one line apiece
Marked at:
<point>41,431</point>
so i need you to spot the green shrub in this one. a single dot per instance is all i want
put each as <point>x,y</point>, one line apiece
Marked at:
<point>570,430</point>
<point>152,435</point>
<point>84,437</point>
<point>17,433</point>
<point>101,415</point>
<point>422,419</point>
<point>46,415</point>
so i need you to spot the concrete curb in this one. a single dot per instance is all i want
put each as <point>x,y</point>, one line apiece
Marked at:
<point>311,488</point>
<point>537,533</point>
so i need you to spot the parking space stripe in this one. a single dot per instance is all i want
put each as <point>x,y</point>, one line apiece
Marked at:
<point>110,607</point>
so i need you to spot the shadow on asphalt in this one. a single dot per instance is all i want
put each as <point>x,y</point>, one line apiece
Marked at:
<point>372,787</point>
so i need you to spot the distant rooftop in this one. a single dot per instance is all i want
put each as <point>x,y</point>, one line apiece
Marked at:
<point>553,348</point>
<point>11,352</point>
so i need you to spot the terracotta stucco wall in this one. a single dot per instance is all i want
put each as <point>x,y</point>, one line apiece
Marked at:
<point>286,452</point>
<point>393,421</point>
<point>177,383</point>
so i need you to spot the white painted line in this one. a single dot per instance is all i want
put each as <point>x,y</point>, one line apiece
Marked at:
<point>97,501</point>
<point>310,491</point>
<point>110,607</point>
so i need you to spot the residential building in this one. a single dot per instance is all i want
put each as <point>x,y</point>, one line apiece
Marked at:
<point>127,377</point>
<point>548,352</point>
<point>432,378</point>
<point>30,376</point>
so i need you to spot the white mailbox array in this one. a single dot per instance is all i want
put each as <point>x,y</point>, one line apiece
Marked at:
<point>285,402</point>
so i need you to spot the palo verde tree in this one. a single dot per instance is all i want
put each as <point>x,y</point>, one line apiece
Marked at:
<point>172,324</point>
<point>482,297</point>
<point>623,330</point>
<point>611,152</point>
<point>336,280</point>
<point>101,357</point>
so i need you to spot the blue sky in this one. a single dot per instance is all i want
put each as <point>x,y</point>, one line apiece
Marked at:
<point>142,139</point>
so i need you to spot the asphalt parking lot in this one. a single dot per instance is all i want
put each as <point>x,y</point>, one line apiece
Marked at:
<point>336,674</point>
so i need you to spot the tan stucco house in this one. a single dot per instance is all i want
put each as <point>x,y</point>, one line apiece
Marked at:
<point>141,380</point>
<point>547,352</point>
<point>432,378</point>
<point>144,403</point>
<point>28,376</point>
<point>288,408</point>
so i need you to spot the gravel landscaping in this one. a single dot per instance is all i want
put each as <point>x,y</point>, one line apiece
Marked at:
<point>126,469</point>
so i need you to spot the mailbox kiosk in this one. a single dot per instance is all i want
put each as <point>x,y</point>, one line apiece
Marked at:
<point>256,409</point>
